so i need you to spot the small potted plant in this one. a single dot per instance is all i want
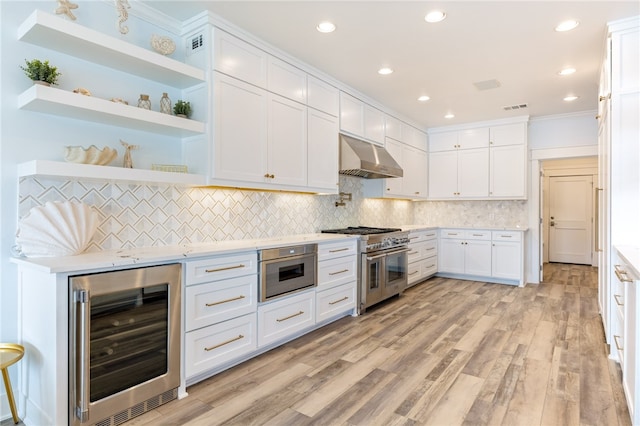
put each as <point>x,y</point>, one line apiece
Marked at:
<point>40,72</point>
<point>182,109</point>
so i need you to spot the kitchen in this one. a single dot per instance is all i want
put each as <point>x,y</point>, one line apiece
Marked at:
<point>157,214</point>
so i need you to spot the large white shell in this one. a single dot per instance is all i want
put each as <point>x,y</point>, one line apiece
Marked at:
<point>56,229</point>
<point>91,155</point>
<point>163,45</point>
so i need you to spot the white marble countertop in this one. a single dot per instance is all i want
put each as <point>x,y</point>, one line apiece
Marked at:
<point>631,256</point>
<point>166,254</point>
<point>489,228</point>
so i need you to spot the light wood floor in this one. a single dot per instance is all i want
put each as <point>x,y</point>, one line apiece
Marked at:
<point>447,352</point>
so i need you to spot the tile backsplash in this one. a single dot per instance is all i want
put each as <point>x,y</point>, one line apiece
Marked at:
<point>139,215</point>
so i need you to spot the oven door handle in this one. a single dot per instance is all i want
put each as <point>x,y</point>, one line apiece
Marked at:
<point>404,250</point>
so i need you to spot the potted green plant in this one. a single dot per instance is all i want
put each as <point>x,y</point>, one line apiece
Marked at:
<point>40,72</point>
<point>182,109</point>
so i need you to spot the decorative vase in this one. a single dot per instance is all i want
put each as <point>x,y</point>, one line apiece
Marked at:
<point>42,83</point>
<point>144,102</point>
<point>165,104</point>
<point>181,115</point>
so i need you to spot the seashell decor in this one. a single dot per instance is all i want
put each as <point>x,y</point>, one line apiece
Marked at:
<point>56,229</point>
<point>91,155</point>
<point>163,45</point>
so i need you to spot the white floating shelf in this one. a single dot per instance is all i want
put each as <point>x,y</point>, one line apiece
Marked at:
<point>54,101</point>
<point>53,32</point>
<point>109,173</point>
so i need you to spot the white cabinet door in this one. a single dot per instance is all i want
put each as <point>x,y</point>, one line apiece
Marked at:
<point>414,137</point>
<point>508,171</point>
<point>414,163</point>
<point>285,317</point>
<point>443,174</point>
<point>322,96</point>
<point>477,257</point>
<point>373,124</point>
<point>240,140</point>
<point>286,80</point>
<point>446,141</point>
<point>509,134</point>
<point>473,173</point>
<point>240,59</point>
<point>393,128</point>
<point>506,260</point>
<point>322,150</point>
<point>393,186</point>
<point>351,114</point>
<point>287,142</point>
<point>473,138</point>
<point>451,256</point>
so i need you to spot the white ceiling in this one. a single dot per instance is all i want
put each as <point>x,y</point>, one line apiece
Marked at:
<point>513,42</point>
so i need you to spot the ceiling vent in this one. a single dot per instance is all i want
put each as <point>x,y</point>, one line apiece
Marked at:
<point>487,84</point>
<point>196,44</point>
<point>515,107</point>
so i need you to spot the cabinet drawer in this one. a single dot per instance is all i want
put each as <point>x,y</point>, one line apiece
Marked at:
<point>221,267</point>
<point>210,303</point>
<point>477,235</point>
<point>285,317</point>
<point>415,252</point>
<point>337,249</point>
<point>506,236</point>
<point>430,266</point>
<point>451,233</point>
<point>215,345</point>
<point>337,271</point>
<point>335,301</point>
<point>414,272</point>
<point>429,248</point>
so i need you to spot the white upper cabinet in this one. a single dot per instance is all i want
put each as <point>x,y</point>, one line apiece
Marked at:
<point>287,142</point>
<point>509,134</point>
<point>445,141</point>
<point>394,186</point>
<point>508,171</point>
<point>414,181</point>
<point>414,137</point>
<point>240,59</point>
<point>360,119</point>
<point>393,128</point>
<point>443,175</point>
<point>473,173</point>
<point>322,151</point>
<point>473,138</point>
<point>286,80</point>
<point>322,96</point>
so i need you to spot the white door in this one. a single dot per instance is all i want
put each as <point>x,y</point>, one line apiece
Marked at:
<point>570,215</point>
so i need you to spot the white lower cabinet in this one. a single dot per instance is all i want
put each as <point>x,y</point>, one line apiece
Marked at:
<point>337,280</point>
<point>282,318</point>
<point>335,301</point>
<point>506,255</point>
<point>422,256</point>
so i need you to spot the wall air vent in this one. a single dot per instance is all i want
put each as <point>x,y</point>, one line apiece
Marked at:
<point>196,44</point>
<point>515,107</point>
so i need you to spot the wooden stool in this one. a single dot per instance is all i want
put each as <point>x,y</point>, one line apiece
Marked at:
<point>10,353</point>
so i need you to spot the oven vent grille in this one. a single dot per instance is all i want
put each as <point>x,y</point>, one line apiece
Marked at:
<point>136,410</point>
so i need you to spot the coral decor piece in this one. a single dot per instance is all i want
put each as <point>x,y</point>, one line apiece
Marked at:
<point>123,15</point>
<point>128,162</point>
<point>163,45</point>
<point>65,7</point>
<point>91,155</point>
<point>82,91</point>
<point>56,229</point>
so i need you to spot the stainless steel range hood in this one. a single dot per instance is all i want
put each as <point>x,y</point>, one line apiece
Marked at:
<point>364,159</point>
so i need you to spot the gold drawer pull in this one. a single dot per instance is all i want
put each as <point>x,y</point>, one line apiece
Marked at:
<point>478,235</point>
<point>413,252</point>
<point>339,272</point>
<point>622,276</point>
<point>336,251</point>
<point>413,273</point>
<point>431,248</point>
<point>431,266</point>
<point>208,271</point>
<point>617,300</point>
<point>615,339</point>
<point>505,236</point>
<point>340,300</point>
<point>210,348</point>
<point>413,238</point>
<point>225,301</point>
<point>290,316</point>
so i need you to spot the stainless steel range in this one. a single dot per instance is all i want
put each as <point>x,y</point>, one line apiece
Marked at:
<point>382,270</point>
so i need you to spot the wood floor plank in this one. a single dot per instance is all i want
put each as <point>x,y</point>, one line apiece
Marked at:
<point>527,403</point>
<point>452,408</point>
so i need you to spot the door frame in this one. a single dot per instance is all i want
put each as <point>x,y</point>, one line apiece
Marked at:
<point>534,259</point>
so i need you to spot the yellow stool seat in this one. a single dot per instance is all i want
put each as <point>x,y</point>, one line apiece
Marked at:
<point>10,353</point>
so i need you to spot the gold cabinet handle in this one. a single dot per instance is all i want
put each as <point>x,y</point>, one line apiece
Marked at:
<point>413,252</point>
<point>505,236</point>
<point>226,268</point>
<point>268,176</point>
<point>431,266</point>
<point>413,273</point>
<point>431,248</point>
<point>622,275</point>
<point>210,348</point>
<point>336,251</point>
<point>339,272</point>
<point>618,346</point>
<point>339,300</point>
<point>616,296</point>
<point>224,301</point>
<point>290,316</point>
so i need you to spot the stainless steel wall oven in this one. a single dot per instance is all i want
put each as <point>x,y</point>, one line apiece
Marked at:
<point>124,343</point>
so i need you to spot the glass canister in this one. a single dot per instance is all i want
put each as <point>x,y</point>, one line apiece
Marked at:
<point>165,104</point>
<point>144,102</point>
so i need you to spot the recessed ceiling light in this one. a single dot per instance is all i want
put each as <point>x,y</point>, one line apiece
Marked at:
<point>423,98</point>
<point>326,27</point>
<point>435,16</point>
<point>567,25</point>
<point>570,98</point>
<point>449,116</point>
<point>567,71</point>
<point>385,71</point>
